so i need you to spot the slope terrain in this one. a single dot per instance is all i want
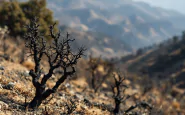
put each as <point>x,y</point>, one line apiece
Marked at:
<point>98,43</point>
<point>166,61</point>
<point>16,90</point>
<point>136,23</point>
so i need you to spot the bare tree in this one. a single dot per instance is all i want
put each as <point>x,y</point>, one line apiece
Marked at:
<point>58,54</point>
<point>96,78</point>
<point>117,90</point>
<point>93,65</point>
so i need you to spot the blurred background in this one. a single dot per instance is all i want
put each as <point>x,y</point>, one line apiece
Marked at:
<point>143,38</point>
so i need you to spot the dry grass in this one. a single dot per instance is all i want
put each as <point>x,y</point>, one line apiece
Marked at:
<point>12,101</point>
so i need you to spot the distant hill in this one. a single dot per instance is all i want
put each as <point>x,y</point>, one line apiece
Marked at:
<point>165,61</point>
<point>98,43</point>
<point>135,23</point>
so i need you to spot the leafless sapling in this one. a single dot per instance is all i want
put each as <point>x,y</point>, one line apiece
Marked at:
<point>118,88</point>
<point>93,65</point>
<point>70,106</point>
<point>96,78</point>
<point>58,54</point>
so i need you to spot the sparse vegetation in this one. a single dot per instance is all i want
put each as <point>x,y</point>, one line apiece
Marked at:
<point>35,73</point>
<point>70,106</point>
<point>118,90</point>
<point>96,68</point>
<point>15,14</point>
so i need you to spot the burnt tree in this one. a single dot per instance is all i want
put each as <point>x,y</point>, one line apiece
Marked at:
<point>58,54</point>
<point>117,90</point>
<point>98,78</point>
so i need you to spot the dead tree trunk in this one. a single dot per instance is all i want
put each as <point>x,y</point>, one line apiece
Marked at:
<point>39,97</point>
<point>59,55</point>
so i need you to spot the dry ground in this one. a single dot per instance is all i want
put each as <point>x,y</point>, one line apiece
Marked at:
<point>16,90</point>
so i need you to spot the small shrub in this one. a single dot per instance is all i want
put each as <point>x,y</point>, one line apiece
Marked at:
<point>117,90</point>
<point>58,55</point>
<point>95,66</point>
<point>15,14</point>
<point>70,107</point>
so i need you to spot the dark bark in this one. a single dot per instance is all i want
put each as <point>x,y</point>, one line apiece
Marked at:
<point>118,99</point>
<point>93,80</point>
<point>35,103</point>
<point>37,100</point>
<point>116,109</point>
<point>144,105</point>
<point>41,94</point>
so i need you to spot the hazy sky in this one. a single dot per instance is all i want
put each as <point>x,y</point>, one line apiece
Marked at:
<point>178,5</point>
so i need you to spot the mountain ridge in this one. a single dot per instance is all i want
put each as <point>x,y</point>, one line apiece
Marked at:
<point>136,24</point>
<point>127,20</point>
<point>165,61</point>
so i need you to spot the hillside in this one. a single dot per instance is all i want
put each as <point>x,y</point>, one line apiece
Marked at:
<point>136,23</point>
<point>76,92</point>
<point>98,43</point>
<point>166,61</point>
<point>51,74</point>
